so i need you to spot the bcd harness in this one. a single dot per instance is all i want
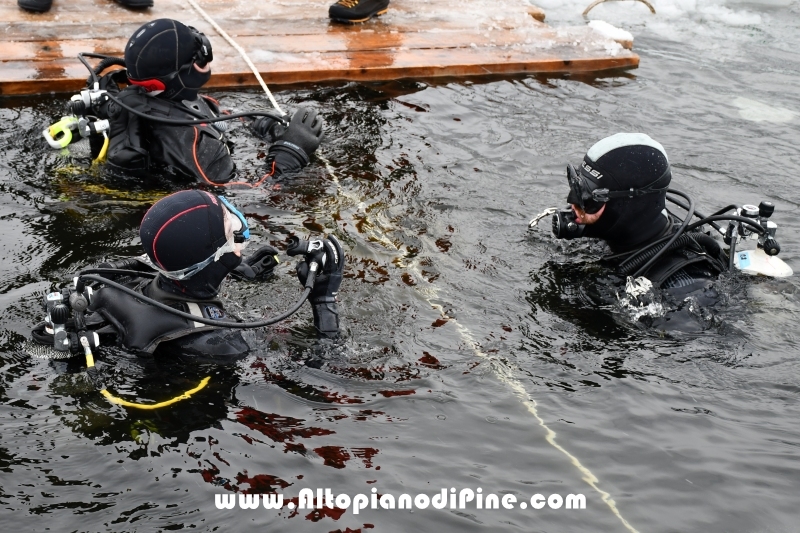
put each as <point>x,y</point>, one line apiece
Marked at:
<point>201,151</point>
<point>141,327</point>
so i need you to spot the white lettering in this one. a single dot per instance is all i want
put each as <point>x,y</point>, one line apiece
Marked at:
<point>306,499</point>
<point>225,501</point>
<point>387,501</point>
<point>421,501</point>
<point>404,502</point>
<point>466,495</point>
<point>439,501</point>
<point>360,502</point>
<point>537,501</point>
<point>591,171</point>
<point>342,501</point>
<point>248,501</point>
<point>555,501</point>
<point>492,501</point>
<point>318,498</point>
<point>508,501</point>
<point>576,501</point>
<point>273,501</point>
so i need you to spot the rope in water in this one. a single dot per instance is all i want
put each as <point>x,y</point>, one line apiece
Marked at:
<point>500,370</point>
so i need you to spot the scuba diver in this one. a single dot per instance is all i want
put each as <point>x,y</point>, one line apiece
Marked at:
<point>618,194</point>
<point>167,299</point>
<point>161,119</point>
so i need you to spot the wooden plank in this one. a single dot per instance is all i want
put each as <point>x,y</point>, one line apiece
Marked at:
<point>293,41</point>
<point>362,66</point>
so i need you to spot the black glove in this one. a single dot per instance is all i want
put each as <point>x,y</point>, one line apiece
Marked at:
<point>258,265</point>
<point>269,128</point>
<point>291,151</point>
<point>326,286</point>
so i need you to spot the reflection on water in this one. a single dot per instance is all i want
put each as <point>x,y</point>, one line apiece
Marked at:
<point>448,305</point>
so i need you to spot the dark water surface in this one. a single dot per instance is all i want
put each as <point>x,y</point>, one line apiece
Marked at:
<point>457,318</point>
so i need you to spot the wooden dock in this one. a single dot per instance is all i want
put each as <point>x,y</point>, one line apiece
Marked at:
<point>292,41</point>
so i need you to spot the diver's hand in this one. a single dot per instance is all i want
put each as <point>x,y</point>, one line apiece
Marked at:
<point>329,274</point>
<point>300,139</point>
<point>258,265</point>
<point>328,254</point>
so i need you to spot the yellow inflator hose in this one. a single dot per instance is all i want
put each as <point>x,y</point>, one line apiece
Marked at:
<point>119,401</point>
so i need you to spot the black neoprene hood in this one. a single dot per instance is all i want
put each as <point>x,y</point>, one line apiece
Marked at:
<point>158,49</point>
<point>160,57</point>
<point>183,229</point>
<point>621,162</point>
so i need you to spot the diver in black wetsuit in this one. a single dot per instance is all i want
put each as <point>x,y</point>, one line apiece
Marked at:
<point>193,240</point>
<point>167,63</point>
<point>618,194</point>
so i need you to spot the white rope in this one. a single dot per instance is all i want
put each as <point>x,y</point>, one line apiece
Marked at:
<point>241,51</point>
<point>500,369</point>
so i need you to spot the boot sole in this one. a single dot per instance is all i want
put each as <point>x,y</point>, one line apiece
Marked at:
<point>35,9</point>
<point>356,21</point>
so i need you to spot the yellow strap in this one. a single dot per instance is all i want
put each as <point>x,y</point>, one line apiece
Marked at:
<point>119,401</point>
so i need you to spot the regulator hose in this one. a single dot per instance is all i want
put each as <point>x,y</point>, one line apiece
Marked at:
<point>701,215</point>
<point>200,319</point>
<point>107,61</point>
<point>683,240</point>
<point>677,234</point>
<point>188,122</point>
<point>755,226</point>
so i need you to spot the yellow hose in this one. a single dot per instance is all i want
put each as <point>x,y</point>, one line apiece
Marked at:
<point>103,151</point>
<point>119,401</point>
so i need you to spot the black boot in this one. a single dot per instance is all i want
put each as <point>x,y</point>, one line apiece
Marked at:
<point>37,6</point>
<point>353,11</point>
<point>135,4</point>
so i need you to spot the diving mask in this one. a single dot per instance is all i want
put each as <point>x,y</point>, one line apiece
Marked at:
<point>583,193</point>
<point>588,196</point>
